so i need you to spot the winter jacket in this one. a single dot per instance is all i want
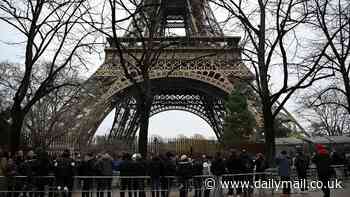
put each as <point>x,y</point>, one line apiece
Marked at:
<point>246,163</point>
<point>301,164</point>
<point>283,163</point>
<point>64,168</point>
<point>126,168</point>
<point>105,166</point>
<point>137,168</point>
<point>116,164</point>
<point>233,165</point>
<point>29,168</point>
<point>323,164</point>
<point>156,168</point>
<point>261,165</point>
<point>197,168</point>
<point>87,168</point>
<point>169,167</point>
<point>184,169</point>
<point>218,167</point>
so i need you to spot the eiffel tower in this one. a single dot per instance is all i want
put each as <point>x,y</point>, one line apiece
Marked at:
<point>195,76</point>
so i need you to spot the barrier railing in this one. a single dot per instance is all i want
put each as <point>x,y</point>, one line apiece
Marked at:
<point>203,185</point>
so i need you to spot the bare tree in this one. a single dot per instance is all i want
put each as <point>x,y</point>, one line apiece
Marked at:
<point>271,42</point>
<point>331,19</point>
<point>330,119</point>
<point>53,32</point>
<point>40,123</point>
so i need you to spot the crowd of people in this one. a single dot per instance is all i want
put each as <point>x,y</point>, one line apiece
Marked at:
<point>322,159</point>
<point>164,171</point>
<point>31,171</point>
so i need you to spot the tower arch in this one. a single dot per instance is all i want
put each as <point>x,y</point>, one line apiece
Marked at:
<point>194,75</point>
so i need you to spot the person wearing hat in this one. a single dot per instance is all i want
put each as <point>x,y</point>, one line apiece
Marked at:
<point>184,173</point>
<point>138,169</point>
<point>323,163</point>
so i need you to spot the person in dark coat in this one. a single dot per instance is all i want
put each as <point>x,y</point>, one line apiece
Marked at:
<point>323,162</point>
<point>197,173</point>
<point>184,172</point>
<point>64,173</point>
<point>11,173</point>
<point>218,168</point>
<point>246,162</point>
<point>125,173</point>
<point>301,164</point>
<point>19,181</point>
<point>283,162</point>
<point>42,168</point>
<point>87,168</point>
<point>28,169</point>
<point>156,170</point>
<point>233,167</point>
<point>247,167</point>
<point>104,168</point>
<point>218,165</point>
<point>138,169</point>
<point>117,162</point>
<point>169,164</point>
<point>260,166</point>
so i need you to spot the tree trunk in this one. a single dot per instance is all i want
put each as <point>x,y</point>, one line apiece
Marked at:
<point>269,130</point>
<point>265,91</point>
<point>145,104</point>
<point>346,86</point>
<point>16,130</point>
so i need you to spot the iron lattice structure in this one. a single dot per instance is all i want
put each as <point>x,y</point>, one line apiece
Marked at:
<point>194,76</point>
<point>194,16</point>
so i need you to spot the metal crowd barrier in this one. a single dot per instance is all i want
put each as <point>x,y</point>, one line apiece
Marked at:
<point>142,186</point>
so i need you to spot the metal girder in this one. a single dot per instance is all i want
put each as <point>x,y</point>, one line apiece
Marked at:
<point>169,97</point>
<point>195,16</point>
<point>125,118</point>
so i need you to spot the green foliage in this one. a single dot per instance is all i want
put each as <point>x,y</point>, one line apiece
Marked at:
<point>239,121</point>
